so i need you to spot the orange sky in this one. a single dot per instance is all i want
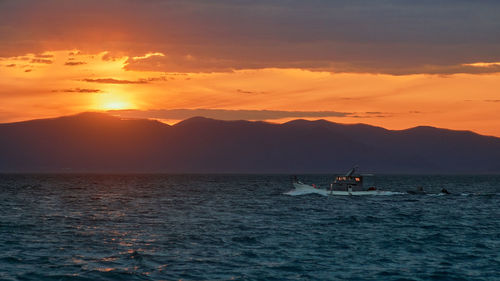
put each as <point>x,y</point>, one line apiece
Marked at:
<point>395,64</point>
<point>66,82</point>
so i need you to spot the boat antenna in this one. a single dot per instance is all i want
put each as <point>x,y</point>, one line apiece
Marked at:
<point>351,171</point>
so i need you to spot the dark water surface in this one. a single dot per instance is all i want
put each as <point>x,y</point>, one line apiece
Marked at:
<point>229,227</point>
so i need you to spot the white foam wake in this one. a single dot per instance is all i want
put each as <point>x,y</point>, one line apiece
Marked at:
<point>311,190</point>
<point>297,192</point>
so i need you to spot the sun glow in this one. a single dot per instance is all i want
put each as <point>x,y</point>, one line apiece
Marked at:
<point>113,102</point>
<point>116,105</point>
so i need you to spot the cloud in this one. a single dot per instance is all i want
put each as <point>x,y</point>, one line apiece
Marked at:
<point>155,79</point>
<point>223,114</point>
<point>369,116</point>
<point>482,64</point>
<point>108,56</point>
<point>492,100</point>
<point>77,90</point>
<point>44,56</point>
<point>74,63</point>
<point>119,81</point>
<point>114,81</point>
<point>391,36</point>
<point>41,61</point>
<point>148,55</point>
<point>240,91</point>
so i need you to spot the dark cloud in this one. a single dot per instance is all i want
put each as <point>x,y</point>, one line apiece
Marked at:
<point>44,56</point>
<point>11,65</point>
<point>78,90</point>
<point>28,70</point>
<point>389,36</point>
<point>222,114</point>
<point>249,92</point>
<point>492,100</point>
<point>114,81</point>
<point>41,61</point>
<point>369,116</point>
<point>156,79</point>
<point>110,57</point>
<point>372,114</point>
<point>118,81</point>
<point>74,63</point>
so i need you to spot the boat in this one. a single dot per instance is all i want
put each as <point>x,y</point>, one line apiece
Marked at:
<point>350,184</point>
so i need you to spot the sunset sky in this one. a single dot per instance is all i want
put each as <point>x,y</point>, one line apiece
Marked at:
<point>394,63</point>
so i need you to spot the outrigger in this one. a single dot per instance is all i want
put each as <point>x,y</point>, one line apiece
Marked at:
<point>348,184</point>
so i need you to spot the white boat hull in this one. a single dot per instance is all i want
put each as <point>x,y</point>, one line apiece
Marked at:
<point>301,189</point>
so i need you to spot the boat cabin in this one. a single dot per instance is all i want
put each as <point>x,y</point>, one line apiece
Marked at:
<point>342,183</point>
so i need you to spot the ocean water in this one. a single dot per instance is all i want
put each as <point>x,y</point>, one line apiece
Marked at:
<point>243,227</point>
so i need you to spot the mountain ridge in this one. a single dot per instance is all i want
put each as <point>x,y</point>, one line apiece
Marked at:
<point>93,114</point>
<point>98,142</point>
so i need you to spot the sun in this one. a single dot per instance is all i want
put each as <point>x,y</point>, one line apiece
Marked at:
<point>113,102</point>
<point>116,105</point>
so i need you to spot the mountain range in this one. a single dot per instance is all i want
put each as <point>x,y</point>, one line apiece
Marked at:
<point>98,142</point>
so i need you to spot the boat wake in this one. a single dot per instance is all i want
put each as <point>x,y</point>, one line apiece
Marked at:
<point>297,192</point>
<point>324,192</point>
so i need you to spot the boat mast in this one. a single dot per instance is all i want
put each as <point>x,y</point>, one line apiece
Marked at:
<point>351,171</point>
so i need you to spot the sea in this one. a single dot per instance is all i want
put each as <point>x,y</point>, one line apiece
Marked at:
<point>246,227</point>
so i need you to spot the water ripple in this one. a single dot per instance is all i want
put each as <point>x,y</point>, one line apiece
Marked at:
<point>228,227</point>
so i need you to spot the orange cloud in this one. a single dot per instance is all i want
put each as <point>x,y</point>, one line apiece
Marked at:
<point>148,55</point>
<point>78,90</point>
<point>224,114</point>
<point>41,61</point>
<point>113,81</point>
<point>483,64</point>
<point>74,63</point>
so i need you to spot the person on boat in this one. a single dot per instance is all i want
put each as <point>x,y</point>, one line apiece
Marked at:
<point>444,191</point>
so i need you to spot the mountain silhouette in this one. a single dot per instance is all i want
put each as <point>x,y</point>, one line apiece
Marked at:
<point>97,142</point>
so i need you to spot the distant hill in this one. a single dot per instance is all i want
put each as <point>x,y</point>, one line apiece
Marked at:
<point>96,142</point>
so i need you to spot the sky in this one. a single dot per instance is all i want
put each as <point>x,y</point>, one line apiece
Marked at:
<point>390,63</point>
